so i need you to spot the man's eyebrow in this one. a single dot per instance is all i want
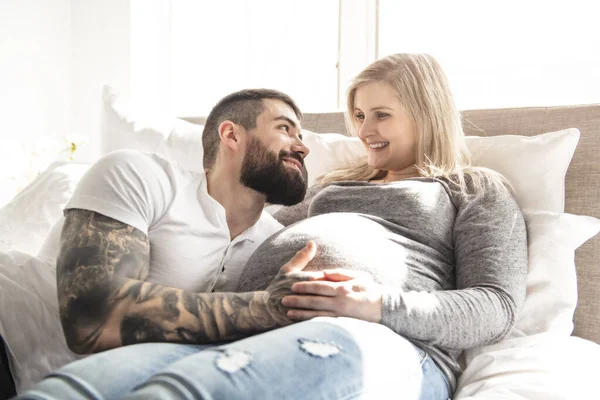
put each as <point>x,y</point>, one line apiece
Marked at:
<point>284,118</point>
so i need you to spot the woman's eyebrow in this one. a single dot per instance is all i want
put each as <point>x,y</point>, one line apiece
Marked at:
<point>380,108</point>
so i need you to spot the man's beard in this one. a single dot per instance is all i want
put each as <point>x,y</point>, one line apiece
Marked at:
<point>265,172</point>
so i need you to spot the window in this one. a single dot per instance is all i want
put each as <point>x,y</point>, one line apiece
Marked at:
<point>507,53</point>
<point>222,46</point>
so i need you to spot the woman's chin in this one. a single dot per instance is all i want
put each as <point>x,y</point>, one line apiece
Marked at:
<point>376,164</point>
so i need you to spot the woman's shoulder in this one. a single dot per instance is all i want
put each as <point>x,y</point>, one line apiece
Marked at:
<point>478,182</point>
<point>481,187</point>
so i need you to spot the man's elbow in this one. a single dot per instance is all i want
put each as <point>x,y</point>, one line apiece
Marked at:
<point>81,338</point>
<point>72,333</point>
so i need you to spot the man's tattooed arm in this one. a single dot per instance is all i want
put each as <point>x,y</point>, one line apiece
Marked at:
<point>105,303</point>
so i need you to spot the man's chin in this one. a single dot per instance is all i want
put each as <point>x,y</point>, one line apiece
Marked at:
<point>290,200</point>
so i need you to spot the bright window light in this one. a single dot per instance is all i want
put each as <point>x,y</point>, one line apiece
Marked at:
<point>511,53</point>
<point>219,47</point>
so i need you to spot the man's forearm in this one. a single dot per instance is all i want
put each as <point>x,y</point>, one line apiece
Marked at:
<point>147,312</point>
<point>105,301</point>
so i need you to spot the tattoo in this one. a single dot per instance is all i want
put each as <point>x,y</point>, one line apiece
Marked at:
<point>138,329</point>
<point>105,301</point>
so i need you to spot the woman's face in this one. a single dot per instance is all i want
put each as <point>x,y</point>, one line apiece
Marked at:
<point>386,129</point>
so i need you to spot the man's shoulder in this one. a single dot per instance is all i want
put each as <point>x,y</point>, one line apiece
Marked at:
<point>128,156</point>
<point>133,161</point>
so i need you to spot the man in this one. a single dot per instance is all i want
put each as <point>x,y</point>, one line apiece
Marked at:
<point>144,240</point>
<point>150,252</point>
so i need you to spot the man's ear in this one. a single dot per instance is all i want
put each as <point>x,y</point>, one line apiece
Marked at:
<point>229,132</point>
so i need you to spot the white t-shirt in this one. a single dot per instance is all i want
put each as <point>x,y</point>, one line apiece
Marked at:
<point>190,246</point>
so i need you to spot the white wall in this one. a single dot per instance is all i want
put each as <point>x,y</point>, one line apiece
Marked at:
<point>36,86</point>
<point>36,82</point>
<point>55,55</point>
<point>100,55</point>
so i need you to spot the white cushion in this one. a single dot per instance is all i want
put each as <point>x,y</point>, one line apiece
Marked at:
<point>536,166</point>
<point>170,137</point>
<point>552,279</point>
<point>27,219</point>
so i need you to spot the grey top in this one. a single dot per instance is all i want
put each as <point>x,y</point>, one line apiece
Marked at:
<point>453,263</point>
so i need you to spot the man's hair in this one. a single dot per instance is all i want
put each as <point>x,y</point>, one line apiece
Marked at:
<point>241,108</point>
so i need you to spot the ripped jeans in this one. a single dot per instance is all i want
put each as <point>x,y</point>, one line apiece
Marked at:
<point>324,358</point>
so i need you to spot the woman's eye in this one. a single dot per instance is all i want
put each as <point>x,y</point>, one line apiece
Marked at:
<point>381,115</point>
<point>359,117</point>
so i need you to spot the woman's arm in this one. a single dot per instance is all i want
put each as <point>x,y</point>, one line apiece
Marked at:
<point>490,248</point>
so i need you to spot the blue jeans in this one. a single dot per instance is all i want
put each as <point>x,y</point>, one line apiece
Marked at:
<point>324,358</point>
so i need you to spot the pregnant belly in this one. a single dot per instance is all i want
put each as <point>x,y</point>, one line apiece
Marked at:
<point>344,240</point>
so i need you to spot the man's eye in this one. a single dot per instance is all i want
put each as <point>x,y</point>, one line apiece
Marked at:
<point>285,128</point>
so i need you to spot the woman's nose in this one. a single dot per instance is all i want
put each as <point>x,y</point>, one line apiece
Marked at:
<point>364,130</point>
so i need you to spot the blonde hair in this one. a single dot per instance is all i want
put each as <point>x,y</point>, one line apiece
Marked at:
<point>423,89</point>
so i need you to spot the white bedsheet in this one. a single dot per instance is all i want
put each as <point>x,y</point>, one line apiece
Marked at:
<point>538,367</point>
<point>29,321</point>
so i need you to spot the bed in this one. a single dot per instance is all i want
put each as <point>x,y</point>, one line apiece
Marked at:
<point>549,355</point>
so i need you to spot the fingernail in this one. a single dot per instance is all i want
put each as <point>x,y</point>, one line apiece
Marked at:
<point>284,301</point>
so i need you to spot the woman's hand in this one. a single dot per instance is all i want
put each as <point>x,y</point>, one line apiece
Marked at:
<point>340,293</point>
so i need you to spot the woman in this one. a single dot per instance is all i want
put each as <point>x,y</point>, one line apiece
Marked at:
<point>426,255</point>
<point>445,242</point>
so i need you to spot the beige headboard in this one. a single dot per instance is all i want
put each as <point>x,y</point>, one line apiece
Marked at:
<point>583,179</point>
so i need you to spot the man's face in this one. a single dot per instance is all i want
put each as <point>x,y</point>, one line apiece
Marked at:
<point>274,160</point>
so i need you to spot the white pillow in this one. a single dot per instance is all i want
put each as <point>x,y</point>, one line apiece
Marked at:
<point>552,279</point>
<point>535,165</point>
<point>170,137</point>
<point>26,220</point>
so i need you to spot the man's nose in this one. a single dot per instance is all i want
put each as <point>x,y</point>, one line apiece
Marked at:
<point>300,148</point>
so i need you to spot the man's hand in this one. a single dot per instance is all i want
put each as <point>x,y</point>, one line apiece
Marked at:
<point>340,293</point>
<point>289,274</point>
